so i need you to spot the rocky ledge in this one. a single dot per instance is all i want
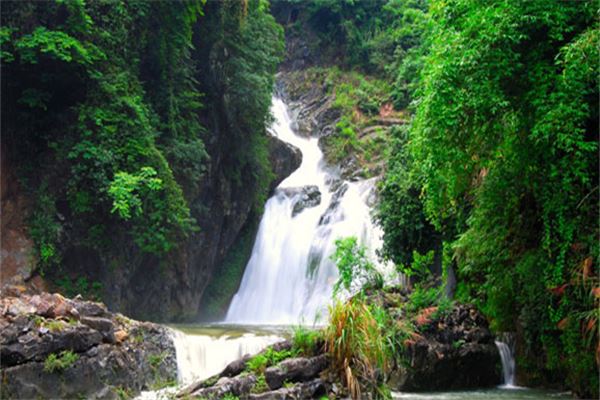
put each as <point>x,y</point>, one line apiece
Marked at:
<point>454,350</point>
<point>54,347</point>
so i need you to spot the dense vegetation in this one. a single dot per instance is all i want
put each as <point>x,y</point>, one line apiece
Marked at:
<point>109,111</point>
<point>497,172</point>
<point>501,160</point>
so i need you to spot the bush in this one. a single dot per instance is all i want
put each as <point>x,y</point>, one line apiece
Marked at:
<point>61,362</point>
<point>354,267</point>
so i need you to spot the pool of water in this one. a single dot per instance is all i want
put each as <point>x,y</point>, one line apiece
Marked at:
<point>501,393</point>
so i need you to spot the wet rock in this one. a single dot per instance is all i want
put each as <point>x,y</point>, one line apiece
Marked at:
<point>295,370</point>
<point>236,367</point>
<point>332,213</point>
<point>284,158</point>
<point>303,197</point>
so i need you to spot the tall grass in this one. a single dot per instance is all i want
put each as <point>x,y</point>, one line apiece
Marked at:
<point>357,345</point>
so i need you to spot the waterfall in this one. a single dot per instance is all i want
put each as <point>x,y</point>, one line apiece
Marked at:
<point>289,277</point>
<point>506,345</point>
<point>202,356</point>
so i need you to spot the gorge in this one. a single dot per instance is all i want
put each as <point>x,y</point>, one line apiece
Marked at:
<point>268,199</point>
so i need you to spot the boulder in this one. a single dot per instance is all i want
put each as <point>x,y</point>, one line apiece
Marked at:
<point>295,370</point>
<point>313,389</point>
<point>284,159</point>
<point>451,352</point>
<point>303,197</point>
<point>237,386</point>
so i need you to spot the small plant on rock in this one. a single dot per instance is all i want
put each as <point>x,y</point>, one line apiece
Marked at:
<point>305,340</point>
<point>261,385</point>
<point>60,362</point>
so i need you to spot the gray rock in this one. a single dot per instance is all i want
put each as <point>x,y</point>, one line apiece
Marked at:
<point>284,158</point>
<point>295,370</point>
<point>27,340</point>
<point>456,351</point>
<point>303,197</point>
<point>235,367</point>
<point>306,390</point>
<point>237,386</point>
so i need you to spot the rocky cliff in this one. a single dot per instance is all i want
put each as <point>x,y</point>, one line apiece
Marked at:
<point>54,347</point>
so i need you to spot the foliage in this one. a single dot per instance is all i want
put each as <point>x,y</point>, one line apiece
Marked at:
<point>268,358</point>
<point>45,230</point>
<point>382,38</point>
<point>241,79</point>
<point>80,286</point>
<point>58,363</point>
<point>501,159</point>
<point>110,109</point>
<point>261,385</point>
<point>126,190</point>
<point>305,340</point>
<point>400,211</point>
<point>354,267</point>
<point>357,344</point>
<point>422,297</point>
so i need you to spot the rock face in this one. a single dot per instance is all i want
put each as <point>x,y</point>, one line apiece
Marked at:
<point>455,351</point>
<point>53,347</point>
<point>16,247</point>
<point>284,158</point>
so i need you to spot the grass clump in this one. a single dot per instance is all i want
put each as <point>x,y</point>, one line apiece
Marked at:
<point>305,340</point>
<point>269,357</point>
<point>58,363</point>
<point>261,385</point>
<point>357,344</point>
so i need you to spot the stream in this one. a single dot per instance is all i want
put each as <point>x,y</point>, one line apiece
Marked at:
<point>290,276</point>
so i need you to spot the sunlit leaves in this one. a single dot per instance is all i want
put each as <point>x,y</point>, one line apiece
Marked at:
<point>127,190</point>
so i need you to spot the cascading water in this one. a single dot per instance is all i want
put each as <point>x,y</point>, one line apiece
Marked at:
<point>290,276</point>
<point>505,346</point>
<point>201,356</point>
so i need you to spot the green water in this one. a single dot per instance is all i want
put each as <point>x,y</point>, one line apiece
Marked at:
<point>487,394</point>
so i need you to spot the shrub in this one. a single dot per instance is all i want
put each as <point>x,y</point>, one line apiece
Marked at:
<point>60,362</point>
<point>354,267</point>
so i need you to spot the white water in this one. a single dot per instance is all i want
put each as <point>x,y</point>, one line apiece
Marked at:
<point>200,356</point>
<point>289,278</point>
<point>506,347</point>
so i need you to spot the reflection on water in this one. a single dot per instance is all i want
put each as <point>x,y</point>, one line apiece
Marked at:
<point>513,393</point>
